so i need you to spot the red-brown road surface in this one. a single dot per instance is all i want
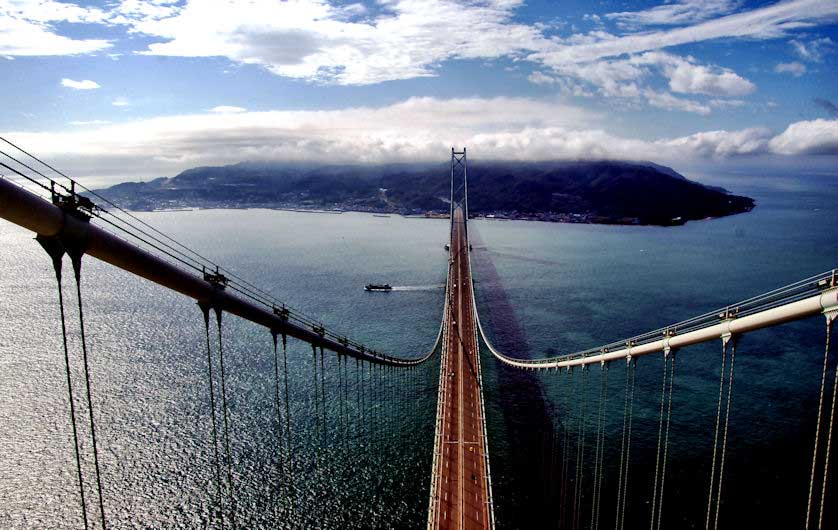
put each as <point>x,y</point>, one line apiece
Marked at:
<point>460,489</point>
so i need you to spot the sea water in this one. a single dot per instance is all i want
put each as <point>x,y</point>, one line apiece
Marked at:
<point>360,449</point>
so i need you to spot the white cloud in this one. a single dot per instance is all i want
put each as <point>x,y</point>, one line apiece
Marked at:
<point>687,77</point>
<point>816,137</point>
<point>26,28</point>
<point>227,109</point>
<point>565,85</point>
<point>629,79</point>
<point>322,41</point>
<point>417,128</point>
<point>769,22</point>
<point>813,50</point>
<point>540,78</point>
<point>85,84</point>
<point>665,100</point>
<point>721,144</point>
<point>794,68</point>
<point>315,40</point>
<point>414,129</point>
<point>121,101</point>
<point>725,103</point>
<point>42,11</point>
<point>90,122</point>
<point>675,14</point>
<point>611,78</point>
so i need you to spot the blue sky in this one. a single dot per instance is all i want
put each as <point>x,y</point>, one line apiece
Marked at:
<point>130,89</point>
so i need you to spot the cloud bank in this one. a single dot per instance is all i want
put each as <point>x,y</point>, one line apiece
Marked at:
<point>417,129</point>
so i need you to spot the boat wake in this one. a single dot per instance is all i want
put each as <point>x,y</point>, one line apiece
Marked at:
<point>419,287</point>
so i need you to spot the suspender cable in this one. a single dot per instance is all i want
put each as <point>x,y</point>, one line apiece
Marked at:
<point>324,433</point>
<point>316,407</point>
<point>829,432</point>
<point>230,484</point>
<point>398,401</point>
<point>383,408</point>
<point>553,433</point>
<point>347,421</point>
<point>724,437</point>
<point>56,252</point>
<point>580,460</point>
<point>287,404</point>
<point>277,410</point>
<point>341,426</point>
<point>372,403</point>
<point>621,504</point>
<point>375,391</point>
<point>359,394</point>
<point>666,436</point>
<point>219,498</point>
<point>290,445</point>
<point>716,434</point>
<point>660,441</point>
<point>600,453</point>
<point>75,257</point>
<point>573,439</point>
<point>565,453</point>
<point>597,448</point>
<point>622,446</point>
<point>829,321</point>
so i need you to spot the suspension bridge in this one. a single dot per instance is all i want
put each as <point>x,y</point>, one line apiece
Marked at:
<point>71,220</point>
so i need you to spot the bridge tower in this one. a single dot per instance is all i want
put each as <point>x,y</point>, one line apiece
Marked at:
<point>459,186</point>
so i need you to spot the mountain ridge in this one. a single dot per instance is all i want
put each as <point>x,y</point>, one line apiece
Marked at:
<point>599,191</point>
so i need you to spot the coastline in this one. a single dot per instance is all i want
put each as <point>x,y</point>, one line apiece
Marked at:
<point>543,217</point>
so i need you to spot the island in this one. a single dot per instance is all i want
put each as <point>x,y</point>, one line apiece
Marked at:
<point>604,191</point>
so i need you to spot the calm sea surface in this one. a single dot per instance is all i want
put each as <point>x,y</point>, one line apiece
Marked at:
<point>359,454</point>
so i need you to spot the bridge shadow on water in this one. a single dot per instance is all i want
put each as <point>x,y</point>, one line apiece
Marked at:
<point>520,423</point>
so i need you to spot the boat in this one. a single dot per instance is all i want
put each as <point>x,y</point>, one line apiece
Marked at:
<point>378,287</point>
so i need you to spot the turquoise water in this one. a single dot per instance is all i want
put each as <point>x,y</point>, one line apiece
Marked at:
<point>361,448</point>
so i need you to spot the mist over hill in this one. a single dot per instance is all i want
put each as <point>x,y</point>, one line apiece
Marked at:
<point>577,191</point>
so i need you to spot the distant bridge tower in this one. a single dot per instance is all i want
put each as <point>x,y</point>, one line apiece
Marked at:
<point>459,186</point>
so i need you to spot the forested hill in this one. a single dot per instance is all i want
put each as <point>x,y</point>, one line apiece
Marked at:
<point>579,191</point>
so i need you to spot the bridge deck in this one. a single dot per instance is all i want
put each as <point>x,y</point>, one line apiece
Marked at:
<point>460,485</point>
